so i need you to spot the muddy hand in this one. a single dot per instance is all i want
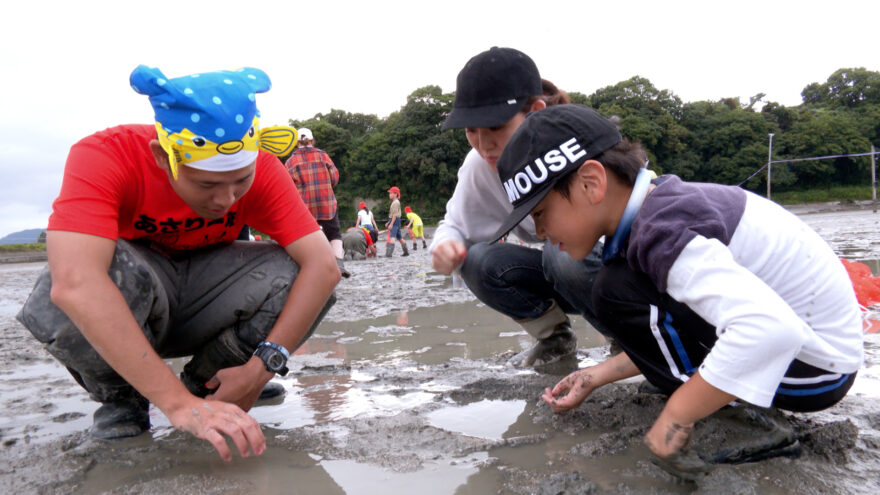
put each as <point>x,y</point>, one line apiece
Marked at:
<point>569,392</point>
<point>668,436</point>
<point>211,420</point>
<point>668,441</point>
<point>239,385</point>
<point>685,464</point>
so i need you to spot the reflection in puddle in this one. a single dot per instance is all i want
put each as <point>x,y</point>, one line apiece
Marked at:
<point>276,471</point>
<point>436,477</point>
<point>485,419</point>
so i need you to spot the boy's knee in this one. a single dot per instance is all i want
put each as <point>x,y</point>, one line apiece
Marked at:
<point>477,264</point>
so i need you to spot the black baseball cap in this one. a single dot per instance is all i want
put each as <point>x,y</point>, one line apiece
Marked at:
<point>550,144</point>
<point>492,87</point>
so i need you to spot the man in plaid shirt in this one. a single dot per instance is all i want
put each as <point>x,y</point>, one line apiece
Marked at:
<point>314,174</point>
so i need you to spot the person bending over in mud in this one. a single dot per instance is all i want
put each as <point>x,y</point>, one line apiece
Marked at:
<point>142,263</point>
<point>494,93</point>
<point>714,293</point>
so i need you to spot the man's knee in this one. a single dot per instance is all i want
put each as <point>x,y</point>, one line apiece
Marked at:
<point>132,276</point>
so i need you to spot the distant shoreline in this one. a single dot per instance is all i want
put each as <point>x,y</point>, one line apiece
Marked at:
<point>23,257</point>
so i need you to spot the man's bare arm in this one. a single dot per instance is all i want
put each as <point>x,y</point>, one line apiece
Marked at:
<point>82,288</point>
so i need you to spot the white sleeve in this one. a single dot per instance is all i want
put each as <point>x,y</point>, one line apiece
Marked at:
<point>759,334</point>
<point>478,207</point>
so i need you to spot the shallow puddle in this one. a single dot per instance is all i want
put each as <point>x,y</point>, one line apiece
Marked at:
<point>485,419</point>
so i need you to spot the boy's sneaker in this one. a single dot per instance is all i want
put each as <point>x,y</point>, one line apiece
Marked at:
<point>271,390</point>
<point>121,419</point>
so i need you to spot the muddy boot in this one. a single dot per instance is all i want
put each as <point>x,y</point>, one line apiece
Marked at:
<point>556,339</point>
<point>121,419</point>
<point>389,250</point>
<point>415,246</point>
<point>424,245</point>
<point>405,251</point>
<point>342,271</point>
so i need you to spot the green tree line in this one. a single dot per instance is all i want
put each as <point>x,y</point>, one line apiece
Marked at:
<point>723,141</point>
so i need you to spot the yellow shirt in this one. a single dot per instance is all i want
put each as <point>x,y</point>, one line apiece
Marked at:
<point>415,219</point>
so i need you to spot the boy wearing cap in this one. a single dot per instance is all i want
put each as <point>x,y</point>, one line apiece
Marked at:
<point>416,227</point>
<point>393,224</point>
<point>142,263</point>
<point>315,175</point>
<point>537,288</point>
<point>714,293</point>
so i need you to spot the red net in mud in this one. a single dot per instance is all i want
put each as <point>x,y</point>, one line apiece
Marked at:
<point>867,288</point>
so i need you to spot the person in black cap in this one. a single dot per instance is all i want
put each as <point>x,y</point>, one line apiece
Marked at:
<point>495,91</point>
<point>714,293</point>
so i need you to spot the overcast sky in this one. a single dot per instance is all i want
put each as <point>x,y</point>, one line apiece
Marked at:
<point>64,65</point>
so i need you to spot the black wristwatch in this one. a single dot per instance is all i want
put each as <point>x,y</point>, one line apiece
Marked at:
<point>274,356</point>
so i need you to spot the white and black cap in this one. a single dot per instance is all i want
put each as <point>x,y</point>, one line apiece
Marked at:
<point>547,146</point>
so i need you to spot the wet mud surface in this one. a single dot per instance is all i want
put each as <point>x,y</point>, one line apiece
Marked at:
<point>405,388</point>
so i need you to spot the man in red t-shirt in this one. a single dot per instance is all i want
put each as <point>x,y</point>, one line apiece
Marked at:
<point>142,263</point>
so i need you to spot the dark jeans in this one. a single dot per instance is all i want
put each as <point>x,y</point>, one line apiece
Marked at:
<point>667,341</point>
<point>215,304</point>
<point>331,228</point>
<point>522,282</point>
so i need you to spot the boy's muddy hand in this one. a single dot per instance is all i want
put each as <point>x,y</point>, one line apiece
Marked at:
<point>211,420</point>
<point>668,436</point>
<point>570,391</point>
<point>668,441</point>
<point>685,464</point>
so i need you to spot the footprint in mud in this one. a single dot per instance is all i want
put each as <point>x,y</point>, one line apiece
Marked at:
<point>68,416</point>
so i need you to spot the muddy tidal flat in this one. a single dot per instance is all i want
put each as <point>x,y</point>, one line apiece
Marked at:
<point>404,388</point>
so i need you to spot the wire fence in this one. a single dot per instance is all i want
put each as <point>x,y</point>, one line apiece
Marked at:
<point>769,163</point>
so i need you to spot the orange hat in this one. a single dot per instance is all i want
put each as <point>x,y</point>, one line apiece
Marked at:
<point>362,205</point>
<point>395,190</point>
<point>408,209</point>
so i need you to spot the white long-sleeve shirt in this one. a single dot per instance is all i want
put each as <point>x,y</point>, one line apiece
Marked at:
<point>478,207</point>
<point>774,290</point>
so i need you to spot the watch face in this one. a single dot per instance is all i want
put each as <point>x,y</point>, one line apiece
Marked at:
<point>275,361</point>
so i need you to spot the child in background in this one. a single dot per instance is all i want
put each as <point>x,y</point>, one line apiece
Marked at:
<point>358,244</point>
<point>417,228</point>
<point>365,218</point>
<point>714,293</point>
<point>393,225</point>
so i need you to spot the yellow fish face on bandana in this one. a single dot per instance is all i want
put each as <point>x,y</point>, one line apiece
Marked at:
<point>210,121</point>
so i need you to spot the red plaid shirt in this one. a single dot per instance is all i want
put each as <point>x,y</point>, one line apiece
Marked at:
<point>314,174</point>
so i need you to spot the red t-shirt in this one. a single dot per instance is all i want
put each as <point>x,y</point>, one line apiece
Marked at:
<point>113,188</point>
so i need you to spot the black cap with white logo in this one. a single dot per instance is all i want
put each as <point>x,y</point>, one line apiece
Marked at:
<point>550,144</point>
<point>492,87</point>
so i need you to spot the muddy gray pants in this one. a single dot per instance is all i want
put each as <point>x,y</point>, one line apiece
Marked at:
<point>215,304</point>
